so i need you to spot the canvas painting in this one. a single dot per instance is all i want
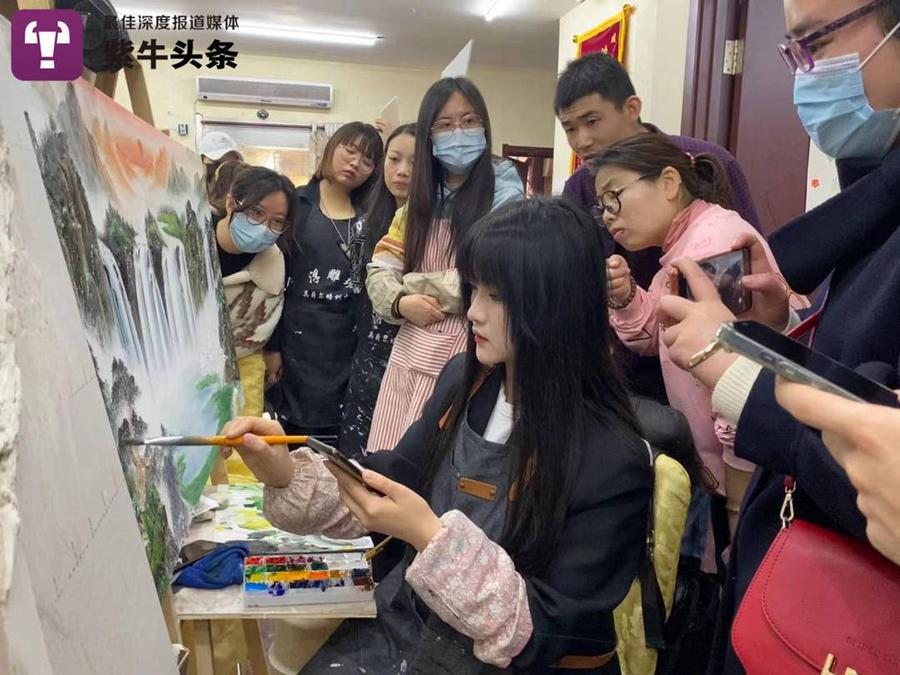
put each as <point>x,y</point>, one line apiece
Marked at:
<point>130,209</point>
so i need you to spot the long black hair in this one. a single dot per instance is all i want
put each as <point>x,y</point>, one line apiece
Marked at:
<point>546,260</point>
<point>364,138</point>
<point>471,200</point>
<point>381,204</point>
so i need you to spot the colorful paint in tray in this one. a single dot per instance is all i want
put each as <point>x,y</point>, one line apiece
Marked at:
<point>307,579</point>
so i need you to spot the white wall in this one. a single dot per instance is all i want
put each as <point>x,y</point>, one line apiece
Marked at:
<point>822,183</point>
<point>519,100</point>
<point>654,56</point>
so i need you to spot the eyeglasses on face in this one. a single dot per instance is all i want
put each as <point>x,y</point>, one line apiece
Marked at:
<point>610,201</point>
<point>797,54</point>
<point>258,216</point>
<point>467,122</point>
<point>354,153</point>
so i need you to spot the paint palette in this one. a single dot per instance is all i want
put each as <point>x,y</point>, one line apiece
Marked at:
<point>307,579</point>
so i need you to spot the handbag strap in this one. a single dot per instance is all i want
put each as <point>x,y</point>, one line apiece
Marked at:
<point>808,325</point>
<point>652,605</point>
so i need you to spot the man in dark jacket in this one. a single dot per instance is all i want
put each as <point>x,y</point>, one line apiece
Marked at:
<point>597,106</point>
<point>855,238</point>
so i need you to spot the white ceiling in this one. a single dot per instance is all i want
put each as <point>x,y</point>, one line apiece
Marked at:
<point>416,32</point>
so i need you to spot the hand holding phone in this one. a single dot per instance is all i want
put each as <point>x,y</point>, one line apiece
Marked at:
<point>796,362</point>
<point>726,271</point>
<point>351,467</point>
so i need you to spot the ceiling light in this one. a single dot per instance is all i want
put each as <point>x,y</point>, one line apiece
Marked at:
<point>496,8</point>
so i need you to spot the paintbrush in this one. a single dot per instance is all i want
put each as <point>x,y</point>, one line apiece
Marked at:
<point>372,552</point>
<point>222,440</point>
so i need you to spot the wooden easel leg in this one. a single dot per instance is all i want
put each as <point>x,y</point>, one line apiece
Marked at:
<point>106,82</point>
<point>34,4</point>
<point>255,650</point>
<point>137,91</point>
<point>203,651</point>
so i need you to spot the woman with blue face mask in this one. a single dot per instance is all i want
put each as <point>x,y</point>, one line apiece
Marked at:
<point>844,56</point>
<point>258,207</point>
<point>412,279</point>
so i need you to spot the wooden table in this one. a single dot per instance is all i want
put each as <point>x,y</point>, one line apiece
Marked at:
<point>196,608</point>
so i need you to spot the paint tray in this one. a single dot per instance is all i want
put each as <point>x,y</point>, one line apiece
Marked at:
<point>307,578</point>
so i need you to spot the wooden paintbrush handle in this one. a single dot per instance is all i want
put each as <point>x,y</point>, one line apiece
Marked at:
<point>271,440</point>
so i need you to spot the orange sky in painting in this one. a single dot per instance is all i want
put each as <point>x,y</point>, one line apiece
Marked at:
<point>127,158</point>
<point>128,146</point>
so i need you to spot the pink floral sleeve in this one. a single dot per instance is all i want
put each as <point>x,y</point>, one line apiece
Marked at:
<point>310,503</point>
<point>471,583</point>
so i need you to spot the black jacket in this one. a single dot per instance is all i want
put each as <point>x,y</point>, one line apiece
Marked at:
<point>602,540</point>
<point>855,235</point>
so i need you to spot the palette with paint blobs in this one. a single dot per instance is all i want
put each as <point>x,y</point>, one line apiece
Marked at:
<point>307,579</point>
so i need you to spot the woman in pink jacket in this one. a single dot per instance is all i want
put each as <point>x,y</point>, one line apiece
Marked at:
<point>652,193</point>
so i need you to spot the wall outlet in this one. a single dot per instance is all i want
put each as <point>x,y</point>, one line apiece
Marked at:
<point>182,129</point>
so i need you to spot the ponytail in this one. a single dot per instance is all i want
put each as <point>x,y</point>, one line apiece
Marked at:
<point>702,176</point>
<point>708,180</point>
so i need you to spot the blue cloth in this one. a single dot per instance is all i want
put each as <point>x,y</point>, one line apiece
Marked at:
<point>220,568</point>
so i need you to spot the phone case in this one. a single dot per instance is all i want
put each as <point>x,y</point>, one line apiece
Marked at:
<point>734,296</point>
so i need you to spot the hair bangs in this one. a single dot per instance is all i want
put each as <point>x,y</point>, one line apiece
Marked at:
<point>483,259</point>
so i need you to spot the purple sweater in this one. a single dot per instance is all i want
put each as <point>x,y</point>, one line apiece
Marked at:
<point>642,374</point>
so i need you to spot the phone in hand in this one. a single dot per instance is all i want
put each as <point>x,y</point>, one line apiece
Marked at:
<point>726,271</point>
<point>796,362</point>
<point>333,455</point>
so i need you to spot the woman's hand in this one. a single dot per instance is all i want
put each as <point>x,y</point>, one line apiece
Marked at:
<point>400,513</point>
<point>865,440</point>
<point>422,310</point>
<point>274,365</point>
<point>618,279</point>
<point>771,292</point>
<point>271,464</point>
<point>692,324</point>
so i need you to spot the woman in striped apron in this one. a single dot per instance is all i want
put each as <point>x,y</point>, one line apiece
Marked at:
<point>412,280</point>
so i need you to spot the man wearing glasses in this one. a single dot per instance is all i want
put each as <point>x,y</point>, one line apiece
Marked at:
<point>844,56</point>
<point>597,106</point>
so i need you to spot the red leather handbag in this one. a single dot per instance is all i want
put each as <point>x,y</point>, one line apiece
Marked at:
<point>820,603</point>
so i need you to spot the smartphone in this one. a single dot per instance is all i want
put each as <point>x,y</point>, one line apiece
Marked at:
<point>798,363</point>
<point>333,455</point>
<point>727,272</point>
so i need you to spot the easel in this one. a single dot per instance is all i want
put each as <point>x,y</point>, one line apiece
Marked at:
<point>105,82</point>
<point>140,101</point>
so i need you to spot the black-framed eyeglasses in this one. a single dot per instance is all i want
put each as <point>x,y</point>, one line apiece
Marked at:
<point>610,201</point>
<point>258,216</point>
<point>796,53</point>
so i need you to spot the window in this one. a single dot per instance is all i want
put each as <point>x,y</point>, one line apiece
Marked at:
<point>284,148</point>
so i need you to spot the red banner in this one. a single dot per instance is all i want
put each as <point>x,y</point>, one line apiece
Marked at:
<point>607,38</point>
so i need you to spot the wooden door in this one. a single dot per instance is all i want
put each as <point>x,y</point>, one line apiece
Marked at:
<point>752,112</point>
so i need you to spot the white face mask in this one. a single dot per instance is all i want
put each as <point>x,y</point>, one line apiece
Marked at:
<point>832,104</point>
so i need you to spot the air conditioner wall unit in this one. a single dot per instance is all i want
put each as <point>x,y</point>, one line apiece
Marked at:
<point>265,92</point>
